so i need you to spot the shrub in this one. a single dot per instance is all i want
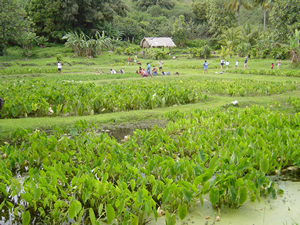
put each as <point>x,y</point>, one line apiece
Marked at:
<point>59,57</point>
<point>253,52</point>
<point>119,50</point>
<point>205,50</point>
<point>129,51</point>
<point>265,53</point>
<point>197,43</point>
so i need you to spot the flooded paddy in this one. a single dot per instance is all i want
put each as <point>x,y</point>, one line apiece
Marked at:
<point>283,210</point>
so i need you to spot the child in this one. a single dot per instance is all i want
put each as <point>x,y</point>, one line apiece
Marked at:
<point>59,67</point>
<point>278,63</point>
<point>140,70</point>
<point>236,64</point>
<point>205,66</point>
<point>227,64</point>
<point>154,71</point>
<point>112,71</point>
<point>272,66</point>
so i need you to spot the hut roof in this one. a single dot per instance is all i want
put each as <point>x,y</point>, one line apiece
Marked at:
<point>149,42</point>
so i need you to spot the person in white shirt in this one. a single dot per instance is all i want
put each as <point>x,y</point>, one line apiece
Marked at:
<point>227,64</point>
<point>112,71</point>
<point>236,64</point>
<point>59,67</point>
<point>160,64</point>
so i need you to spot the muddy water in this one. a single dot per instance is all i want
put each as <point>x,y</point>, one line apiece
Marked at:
<point>285,210</point>
<point>120,131</point>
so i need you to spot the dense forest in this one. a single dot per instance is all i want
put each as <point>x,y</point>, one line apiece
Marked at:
<point>239,26</point>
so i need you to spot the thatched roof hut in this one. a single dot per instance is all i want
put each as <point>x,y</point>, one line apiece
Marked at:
<point>155,42</point>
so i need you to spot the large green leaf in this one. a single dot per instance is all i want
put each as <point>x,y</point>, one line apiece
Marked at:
<point>170,219</point>
<point>134,220</point>
<point>37,193</point>
<point>92,216</point>
<point>110,213</point>
<point>187,194</point>
<point>243,193</point>
<point>214,195</point>
<point>232,194</point>
<point>132,184</point>
<point>182,211</point>
<point>74,209</point>
<point>198,180</point>
<point>26,218</point>
<point>264,164</point>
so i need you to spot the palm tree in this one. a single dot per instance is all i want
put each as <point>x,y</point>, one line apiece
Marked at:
<point>294,46</point>
<point>249,34</point>
<point>264,5</point>
<point>230,37</point>
<point>236,4</point>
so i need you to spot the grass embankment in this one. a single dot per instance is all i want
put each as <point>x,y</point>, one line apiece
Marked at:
<point>90,70</point>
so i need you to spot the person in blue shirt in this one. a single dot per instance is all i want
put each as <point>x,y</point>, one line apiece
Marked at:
<point>148,69</point>
<point>205,66</point>
<point>246,63</point>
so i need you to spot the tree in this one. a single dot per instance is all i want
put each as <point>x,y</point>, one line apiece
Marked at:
<point>236,4</point>
<point>264,4</point>
<point>218,17</point>
<point>54,18</point>
<point>231,37</point>
<point>284,18</point>
<point>13,23</point>
<point>249,34</point>
<point>145,4</point>
<point>83,45</point>
<point>130,27</point>
<point>294,46</point>
<point>180,30</point>
<point>200,10</point>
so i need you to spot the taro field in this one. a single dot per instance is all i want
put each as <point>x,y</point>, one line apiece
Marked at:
<point>227,139</point>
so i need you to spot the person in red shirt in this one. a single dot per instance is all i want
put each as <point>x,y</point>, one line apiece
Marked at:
<point>272,66</point>
<point>128,60</point>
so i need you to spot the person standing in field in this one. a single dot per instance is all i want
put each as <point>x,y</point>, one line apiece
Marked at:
<point>129,60</point>
<point>222,63</point>
<point>160,65</point>
<point>135,59</point>
<point>272,65</point>
<point>236,64</point>
<point>278,63</point>
<point>227,64</point>
<point>205,66</point>
<point>59,67</point>
<point>246,63</point>
<point>148,69</point>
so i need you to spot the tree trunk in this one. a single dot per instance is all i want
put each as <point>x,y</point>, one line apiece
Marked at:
<point>265,17</point>
<point>238,12</point>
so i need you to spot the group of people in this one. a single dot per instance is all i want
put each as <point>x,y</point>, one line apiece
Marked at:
<point>134,60</point>
<point>278,64</point>
<point>121,71</point>
<point>148,72</point>
<point>236,64</point>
